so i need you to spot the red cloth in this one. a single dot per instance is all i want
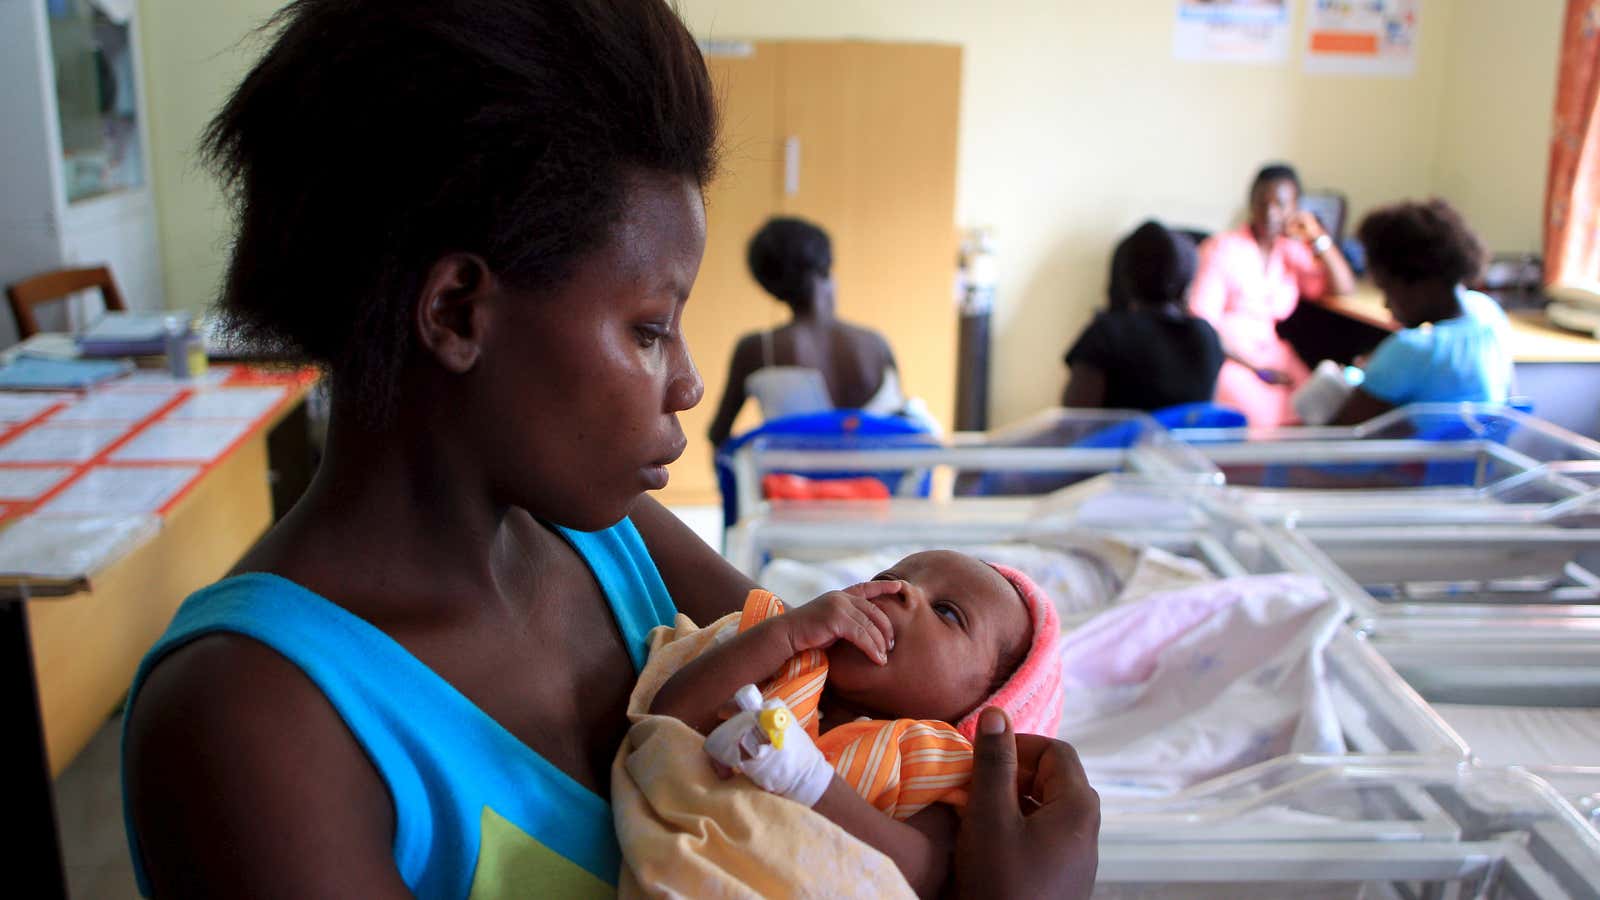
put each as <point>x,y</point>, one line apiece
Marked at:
<point>779,486</point>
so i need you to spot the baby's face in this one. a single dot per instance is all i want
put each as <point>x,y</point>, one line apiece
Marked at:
<point>953,621</point>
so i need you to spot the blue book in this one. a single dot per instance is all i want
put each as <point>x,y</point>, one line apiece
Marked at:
<point>33,373</point>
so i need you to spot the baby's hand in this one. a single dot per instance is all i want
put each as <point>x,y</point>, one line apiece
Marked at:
<point>784,761</point>
<point>847,615</point>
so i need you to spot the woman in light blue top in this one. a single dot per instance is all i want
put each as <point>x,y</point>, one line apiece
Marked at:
<point>1452,347</point>
<point>483,218</point>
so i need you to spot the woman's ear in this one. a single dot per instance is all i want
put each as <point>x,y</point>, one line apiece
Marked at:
<point>452,311</point>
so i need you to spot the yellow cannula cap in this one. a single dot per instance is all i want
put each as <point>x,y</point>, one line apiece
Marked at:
<point>773,722</point>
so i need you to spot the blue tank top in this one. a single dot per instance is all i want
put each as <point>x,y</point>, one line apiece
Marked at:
<point>478,814</point>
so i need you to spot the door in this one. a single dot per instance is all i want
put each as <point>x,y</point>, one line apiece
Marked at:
<point>859,138</point>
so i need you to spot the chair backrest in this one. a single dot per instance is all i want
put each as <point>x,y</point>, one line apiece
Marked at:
<point>1329,207</point>
<point>52,286</point>
<point>1199,415</point>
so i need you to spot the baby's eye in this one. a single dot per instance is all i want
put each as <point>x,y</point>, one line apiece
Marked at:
<point>948,612</point>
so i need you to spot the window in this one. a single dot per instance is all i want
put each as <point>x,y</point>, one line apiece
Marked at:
<point>96,97</point>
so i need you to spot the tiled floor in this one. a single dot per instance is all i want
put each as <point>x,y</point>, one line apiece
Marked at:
<point>89,793</point>
<point>89,812</point>
<point>705,520</point>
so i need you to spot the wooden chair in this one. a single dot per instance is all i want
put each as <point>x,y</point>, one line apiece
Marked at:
<point>52,286</point>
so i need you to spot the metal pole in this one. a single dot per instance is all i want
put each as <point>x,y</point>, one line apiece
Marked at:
<point>972,373</point>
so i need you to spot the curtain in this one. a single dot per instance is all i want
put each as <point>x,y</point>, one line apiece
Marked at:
<point>1572,197</point>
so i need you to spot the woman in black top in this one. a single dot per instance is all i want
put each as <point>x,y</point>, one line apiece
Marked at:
<point>1146,352</point>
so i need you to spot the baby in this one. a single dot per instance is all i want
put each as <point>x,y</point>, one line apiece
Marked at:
<point>872,676</point>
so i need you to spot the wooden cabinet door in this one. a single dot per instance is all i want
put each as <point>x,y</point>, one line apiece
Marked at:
<point>875,130</point>
<point>726,301</point>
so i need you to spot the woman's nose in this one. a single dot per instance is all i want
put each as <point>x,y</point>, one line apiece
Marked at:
<point>686,388</point>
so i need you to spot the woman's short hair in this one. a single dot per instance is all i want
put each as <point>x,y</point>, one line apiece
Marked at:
<point>375,136</point>
<point>1275,172</point>
<point>784,255</point>
<point>1152,266</point>
<point>1428,241</point>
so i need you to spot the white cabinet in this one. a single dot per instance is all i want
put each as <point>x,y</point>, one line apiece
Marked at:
<point>74,173</point>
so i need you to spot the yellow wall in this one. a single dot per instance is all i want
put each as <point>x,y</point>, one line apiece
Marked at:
<point>1076,123</point>
<point>195,52</point>
<point>1493,137</point>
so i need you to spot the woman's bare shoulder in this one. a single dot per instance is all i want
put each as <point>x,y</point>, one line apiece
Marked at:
<point>850,331</point>
<point>218,676</point>
<point>747,350</point>
<point>238,772</point>
<point>867,343</point>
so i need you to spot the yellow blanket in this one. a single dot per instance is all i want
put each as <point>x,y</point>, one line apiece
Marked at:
<point>687,833</point>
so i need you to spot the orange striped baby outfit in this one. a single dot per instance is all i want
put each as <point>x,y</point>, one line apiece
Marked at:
<point>899,766</point>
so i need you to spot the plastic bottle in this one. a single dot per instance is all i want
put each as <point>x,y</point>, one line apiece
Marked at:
<point>979,272</point>
<point>186,352</point>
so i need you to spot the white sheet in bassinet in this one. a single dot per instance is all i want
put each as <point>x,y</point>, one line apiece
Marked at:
<point>1186,685</point>
<point>1527,735</point>
<point>1168,689</point>
<point>1081,573</point>
<point>1267,890</point>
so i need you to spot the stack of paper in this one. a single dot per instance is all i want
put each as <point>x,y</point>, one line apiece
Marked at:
<point>131,333</point>
<point>45,344</point>
<point>120,490</point>
<point>77,547</point>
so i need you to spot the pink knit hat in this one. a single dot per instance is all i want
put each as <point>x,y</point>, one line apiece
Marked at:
<point>1032,695</point>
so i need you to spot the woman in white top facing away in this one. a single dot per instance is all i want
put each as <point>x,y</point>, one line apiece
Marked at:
<point>815,362</point>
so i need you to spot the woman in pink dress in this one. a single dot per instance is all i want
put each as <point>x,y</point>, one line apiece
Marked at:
<point>1250,279</point>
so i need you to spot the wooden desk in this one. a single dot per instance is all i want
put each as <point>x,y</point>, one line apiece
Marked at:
<point>1533,338</point>
<point>68,660</point>
<point>1559,371</point>
<point>87,645</point>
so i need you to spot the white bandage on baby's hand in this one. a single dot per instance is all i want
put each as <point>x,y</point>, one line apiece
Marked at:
<point>787,764</point>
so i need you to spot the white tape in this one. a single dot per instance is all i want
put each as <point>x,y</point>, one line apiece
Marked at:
<point>797,771</point>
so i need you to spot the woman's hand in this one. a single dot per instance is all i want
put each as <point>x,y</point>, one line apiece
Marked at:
<point>847,615</point>
<point>1304,226</point>
<point>1273,376</point>
<point>1265,373</point>
<point>695,694</point>
<point>1053,849</point>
